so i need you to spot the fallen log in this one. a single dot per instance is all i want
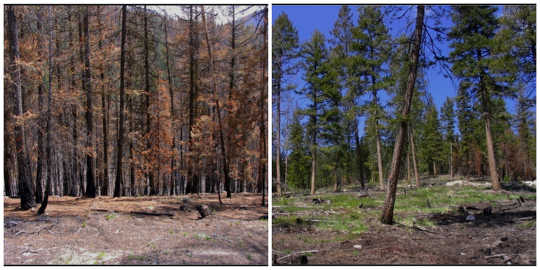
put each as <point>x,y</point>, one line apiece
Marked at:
<point>151,213</point>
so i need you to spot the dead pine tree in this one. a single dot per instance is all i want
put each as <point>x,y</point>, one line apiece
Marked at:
<point>26,188</point>
<point>118,180</point>
<point>49,97</point>
<point>216,98</point>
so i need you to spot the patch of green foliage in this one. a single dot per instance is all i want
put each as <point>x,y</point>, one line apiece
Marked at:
<point>352,223</point>
<point>290,220</point>
<point>136,257</point>
<point>83,224</point>
<point>100,255</point>
<point>529,224</point>
<point>349,201</point>
<point>110,216</point>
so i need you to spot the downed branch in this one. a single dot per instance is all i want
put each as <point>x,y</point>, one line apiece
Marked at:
<point>151,213</point>
<point>298,253</point>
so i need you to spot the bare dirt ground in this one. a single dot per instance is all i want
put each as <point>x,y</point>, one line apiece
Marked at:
<point>504,234</point>
<point>109,230</point>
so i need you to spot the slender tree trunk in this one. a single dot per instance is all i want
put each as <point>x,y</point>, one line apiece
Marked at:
<point>491,156</point>
<point>379,157</point>
<point>41,129</point>
<point>358,156</point>
<point>314,145</point>
<point>173,117</point>
<point>150,173</point>
<point>451,167</point>
<point>415,168</point>
<point>216,97</point>
<point>49,98</point>
<point>117,191</point>
<point>74,152</point>
<point>104,111</point>
<point>26,188</point>
<point>90,166</point>
<point>388,208</point>
<point>377,136</point>
<point>278,140</point>
<point>262,122</point>
<point>409,165</point>
<point>231,82</point>
<point>193,72</point>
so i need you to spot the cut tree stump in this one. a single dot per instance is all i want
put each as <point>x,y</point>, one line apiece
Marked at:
<point>204,210</point>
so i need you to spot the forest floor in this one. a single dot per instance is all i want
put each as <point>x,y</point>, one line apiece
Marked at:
<point>109,230</point>
<point>446,221</point>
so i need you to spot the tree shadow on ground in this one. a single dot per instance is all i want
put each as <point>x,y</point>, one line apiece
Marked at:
<point>517,186</point>
<point>494,219</point>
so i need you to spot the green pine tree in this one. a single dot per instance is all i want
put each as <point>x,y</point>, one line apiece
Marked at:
<point>472,43</point>
<point>284,51</point>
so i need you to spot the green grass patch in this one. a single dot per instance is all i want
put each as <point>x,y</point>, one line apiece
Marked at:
<point>348,201</point>
<point>352,223</point>
<point>100,255</point>
<point>284,220</point>
<point>110,216</point>
<point>136,257</point>
<point>527,225</point>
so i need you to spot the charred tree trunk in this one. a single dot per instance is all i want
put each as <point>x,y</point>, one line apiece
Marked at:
<point>117,187</point>
<point>171,95</point>
<point>388,208</point>
<point>105,117</point>
<point>74,151</point>
<point>147,101</point>
<point>262,122</point>
<point>26,188</point>
<point>41,128</point>
<point>90,166</point>
<point>49,98</point>
<point>216,97</point>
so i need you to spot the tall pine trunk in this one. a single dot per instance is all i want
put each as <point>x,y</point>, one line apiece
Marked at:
<point>415,168</point>
<point>26,188</point>
<point>90,165</point>
<point>120,142</point>
<point>262,126</point>
<point>491,156</point>
<point>358,156</point>
<point>216,98</point>
<point>49,98</point>
<point>388,208</point>
<point>41,128</point>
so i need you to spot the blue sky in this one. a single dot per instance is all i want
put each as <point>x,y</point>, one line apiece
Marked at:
<point>322,17</point>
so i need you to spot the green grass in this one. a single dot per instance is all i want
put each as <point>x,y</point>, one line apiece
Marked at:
<point>352,220</point>
<point>347,223</point>
<point>529,224</point>
<point>348,201</point>
<point>100,255</point>
<point>290,220</point>
<point>110,216</point>
<point>136,257</point>
<point>83,224</point>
